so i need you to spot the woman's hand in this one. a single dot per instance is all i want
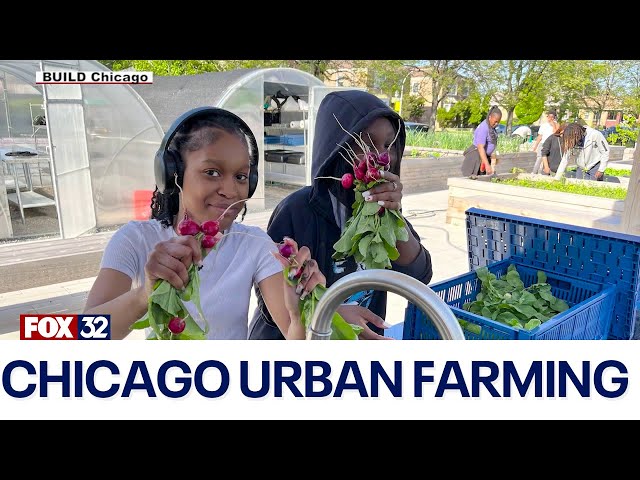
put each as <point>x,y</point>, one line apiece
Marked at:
<point>170,260</point>
<point>357,315</point>
<point>387,194</point>
<point>306,270</point>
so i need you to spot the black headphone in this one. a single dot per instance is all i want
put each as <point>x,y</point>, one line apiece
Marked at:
<point>167,162</point>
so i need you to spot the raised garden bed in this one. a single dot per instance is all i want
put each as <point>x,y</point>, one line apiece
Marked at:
<point>556,206</point>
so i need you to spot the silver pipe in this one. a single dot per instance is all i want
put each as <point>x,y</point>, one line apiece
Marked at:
<point>413,290</point>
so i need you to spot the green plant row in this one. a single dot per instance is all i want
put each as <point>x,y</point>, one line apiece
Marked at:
<point>612,172</point>
<point>615,193</point>
<point>457,141</point>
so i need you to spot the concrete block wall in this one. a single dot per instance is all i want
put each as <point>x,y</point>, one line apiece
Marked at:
<point>431,174</point>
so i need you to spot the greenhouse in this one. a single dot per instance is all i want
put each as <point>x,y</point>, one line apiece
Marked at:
<point>73,158</point>
<point>278,104</point>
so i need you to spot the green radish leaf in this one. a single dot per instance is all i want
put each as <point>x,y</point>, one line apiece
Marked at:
<point>365,224</point>
<point>192,330</point>
<point>342,330</point>
<point>141,323</point>
<point>531,324</point>
<point>370,208</point>
<point>364,244</point>
<point>387,231</point>
<point>392,252</point>
<point>560,305</point>
<point>166,296</point>
<point>542,277</point>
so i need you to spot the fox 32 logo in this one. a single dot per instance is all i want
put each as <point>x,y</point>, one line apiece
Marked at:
<point>65,327</point>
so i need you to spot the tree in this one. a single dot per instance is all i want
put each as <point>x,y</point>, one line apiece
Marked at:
<point>414,107</point>
<point>562,89</point>
<point>382,76</point>
<point>189,67</point>
<point>603,82</point>
<point>443,76</point>
<point>631,85</point>
<point>509,82</point>
<point>530,107</point>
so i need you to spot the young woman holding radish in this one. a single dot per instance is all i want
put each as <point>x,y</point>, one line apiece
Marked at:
<point>206,169</point>
<point>350,125</point>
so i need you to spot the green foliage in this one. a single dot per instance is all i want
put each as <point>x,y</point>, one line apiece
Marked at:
<point>627,132</point>
<point>507,301</point>
<point>446,118</point>
<point>529,108</point>
<point>413,106</point>
<point>457,140</point>
<point>385,76</point>
<point>457,116</point>
<point>189,67</point>
<point>615,193</point>
<point>476,106</point>
<point>166,302</point>
<point>613,172</point>
<point>340,328</point>
<point>370,237</point>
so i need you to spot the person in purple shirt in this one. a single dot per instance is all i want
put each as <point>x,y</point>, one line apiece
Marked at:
<point>485,140</point>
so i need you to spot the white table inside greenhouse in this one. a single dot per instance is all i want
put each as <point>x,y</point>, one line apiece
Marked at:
<point>14,161</point>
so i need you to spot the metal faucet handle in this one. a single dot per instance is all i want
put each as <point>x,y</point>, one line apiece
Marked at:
<point>413,290</point>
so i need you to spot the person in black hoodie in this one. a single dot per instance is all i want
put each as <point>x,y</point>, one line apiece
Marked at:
<point>315,215</point>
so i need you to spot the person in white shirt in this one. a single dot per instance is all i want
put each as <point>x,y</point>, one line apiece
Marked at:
<point>588,148</point>
<point>205,170</point>
<point>545,131</point>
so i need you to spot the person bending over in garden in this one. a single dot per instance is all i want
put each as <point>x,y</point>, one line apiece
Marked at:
<point>551,151</point>
<point>206,169</point>
<point>485,139</point>
<point>545,131</point>
<point>317,215</point>
<point>588,148</point>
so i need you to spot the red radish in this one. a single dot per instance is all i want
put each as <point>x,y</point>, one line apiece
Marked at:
<point>210,227</point>
<point>176,325</point>
<point>371,158</point>
<point>188,227</point>
<point>347,181</point>
<point>285,250</point>
<point>383,159</point>
<point>360,174</point>
<point>381,211</point>
<point>373,173</point>
<point>208,241</point>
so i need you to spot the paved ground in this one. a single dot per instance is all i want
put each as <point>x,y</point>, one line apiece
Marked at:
<point>425,211</point>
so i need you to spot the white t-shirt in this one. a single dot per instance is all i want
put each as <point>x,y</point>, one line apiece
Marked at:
<point>240,260</point>
<point>546,129</point>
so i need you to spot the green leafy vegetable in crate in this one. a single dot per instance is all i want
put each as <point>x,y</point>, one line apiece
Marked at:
<point>507,301</point>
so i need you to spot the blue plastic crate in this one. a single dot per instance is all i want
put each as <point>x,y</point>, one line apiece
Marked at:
<point>272,139</point>
<point>293,139</point>
<point>588,317</point>
<point>585,253</point>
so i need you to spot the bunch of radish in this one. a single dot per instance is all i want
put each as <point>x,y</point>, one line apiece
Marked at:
<point>167,314</point>
<point>366,170</point>
<point>340,329</point>
<point>372,231</point>
<point>205,232</point>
